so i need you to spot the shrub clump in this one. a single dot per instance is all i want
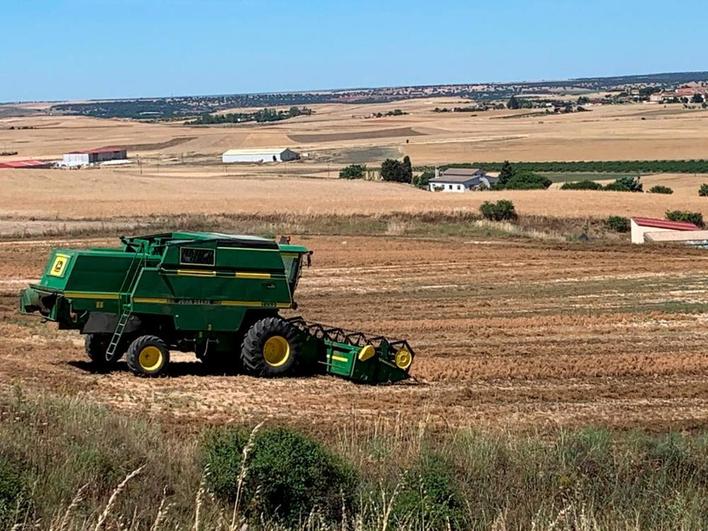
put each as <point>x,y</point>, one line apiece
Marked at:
<point>431,494</point>
<point>659,189</point>
<point>703,190</point>
<point>625,184</point>
<point>527,181</point>
<point>287,474</point>
<point>502,210</point>
<point>582,185</point>
<point>617,224</point>
<point>353,171</point>
<point>683,215</point>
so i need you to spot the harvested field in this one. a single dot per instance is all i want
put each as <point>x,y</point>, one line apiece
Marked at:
<point>522,335</point>
<point>613,132</point>
<point>357,135</point>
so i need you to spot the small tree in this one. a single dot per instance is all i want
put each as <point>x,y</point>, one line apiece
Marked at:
<point>397,171</point>
<point>513,103</point>
<point>688,217</point>
<point>353,171</point>
<point>407,169</point>
<point>659,189</point>
<point>697,98</point>
<point>703,190</point>
<point>502,210</point>
<point>506,173</point>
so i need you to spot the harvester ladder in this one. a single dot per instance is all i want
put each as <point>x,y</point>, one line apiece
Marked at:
<point>125,304</point>
<point>118,334</point>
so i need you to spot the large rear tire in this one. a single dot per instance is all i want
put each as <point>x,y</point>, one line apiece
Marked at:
<point>271,347</point>
<point>96,346</point>
<point>148,356</point>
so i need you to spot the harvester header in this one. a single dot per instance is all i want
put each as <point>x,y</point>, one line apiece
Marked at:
<point>217,295</point>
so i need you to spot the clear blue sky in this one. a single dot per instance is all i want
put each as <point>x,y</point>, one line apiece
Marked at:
<point>73,49</point>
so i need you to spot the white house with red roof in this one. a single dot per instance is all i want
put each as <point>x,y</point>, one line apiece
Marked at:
<point>644,228</point>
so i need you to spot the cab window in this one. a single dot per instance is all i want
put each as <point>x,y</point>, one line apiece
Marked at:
<point>292,269</point>
<point>195,256</point>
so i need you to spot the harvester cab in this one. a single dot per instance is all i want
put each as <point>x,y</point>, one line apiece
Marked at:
<point>217,295</point>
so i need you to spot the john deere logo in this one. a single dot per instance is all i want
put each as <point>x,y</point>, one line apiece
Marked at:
<point>59,265</point>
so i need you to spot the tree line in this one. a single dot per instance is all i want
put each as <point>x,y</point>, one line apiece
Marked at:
<point>263,115</point>
<point>613,166</point>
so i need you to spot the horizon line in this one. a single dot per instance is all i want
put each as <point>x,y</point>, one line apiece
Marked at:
<point>347,89</point>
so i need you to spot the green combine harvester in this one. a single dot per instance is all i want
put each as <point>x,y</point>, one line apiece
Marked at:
<point>216,295</point>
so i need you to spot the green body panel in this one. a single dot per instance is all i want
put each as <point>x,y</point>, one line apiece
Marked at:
<point>202,281</point>
<point>196,291</point>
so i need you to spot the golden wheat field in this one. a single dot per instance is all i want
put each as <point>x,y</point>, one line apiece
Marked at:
<point>518,333</point>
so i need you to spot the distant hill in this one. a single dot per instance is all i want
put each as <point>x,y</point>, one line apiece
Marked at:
<point>186,107</point>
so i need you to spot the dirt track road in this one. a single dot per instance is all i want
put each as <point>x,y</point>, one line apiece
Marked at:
<point>508,335</point>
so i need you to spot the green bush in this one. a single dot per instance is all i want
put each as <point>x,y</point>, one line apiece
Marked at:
<point>683,215</point>
<point>422,180</point>
<point>353,171</point>
<point>625,184</point>
<point>617,224</point>
<point>582,185</point>
<point>659,189</point>
<point>527,181</point>
<point>502,210</point>
<point>431,494</point>
<point>703,190</point>
<point>13,493</point>
<point>288,475</point>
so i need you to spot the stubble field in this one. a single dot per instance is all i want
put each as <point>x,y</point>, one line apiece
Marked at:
<point>517,335</point>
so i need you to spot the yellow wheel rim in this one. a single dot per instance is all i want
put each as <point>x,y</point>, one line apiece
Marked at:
<point>150,358</point>
<point>403,359</point>
<point>276,351</point>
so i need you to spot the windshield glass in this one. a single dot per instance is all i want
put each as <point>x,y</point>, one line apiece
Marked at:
<point>292,269</point>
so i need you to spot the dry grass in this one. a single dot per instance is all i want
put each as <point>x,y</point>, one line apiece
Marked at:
<point>409,477</point>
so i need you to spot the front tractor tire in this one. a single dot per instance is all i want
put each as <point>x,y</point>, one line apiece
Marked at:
<point>148,356</point>
<point>96,346</point>
<point>271,347</point>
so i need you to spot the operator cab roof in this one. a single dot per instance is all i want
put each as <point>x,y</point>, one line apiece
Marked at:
<point>236,240</point>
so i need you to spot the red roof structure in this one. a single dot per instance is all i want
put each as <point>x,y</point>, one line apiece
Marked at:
<point>665,224</point>
<point>21,164</point>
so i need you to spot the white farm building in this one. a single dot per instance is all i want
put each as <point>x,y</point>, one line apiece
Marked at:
<point>460,180</point>
<point>77,159</point>
<point>259,155</point>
